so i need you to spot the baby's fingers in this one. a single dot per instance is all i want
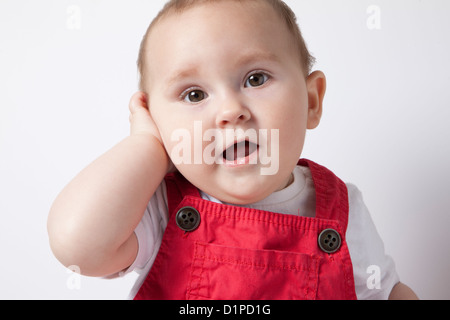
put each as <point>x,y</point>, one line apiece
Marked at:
<point>138,102</point>
<point>141,121</point>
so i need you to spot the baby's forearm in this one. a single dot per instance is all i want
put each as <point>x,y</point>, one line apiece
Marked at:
<point>96,213</point>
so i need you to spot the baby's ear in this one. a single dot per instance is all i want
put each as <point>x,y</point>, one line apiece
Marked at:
<point>316,85</point>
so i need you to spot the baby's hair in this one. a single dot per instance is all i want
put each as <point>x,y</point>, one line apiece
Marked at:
<point>178,6</point>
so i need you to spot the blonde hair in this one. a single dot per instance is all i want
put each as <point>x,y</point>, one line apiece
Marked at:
<point>178,6</point>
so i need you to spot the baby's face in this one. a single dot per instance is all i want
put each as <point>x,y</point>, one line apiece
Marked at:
<point>228,94</point>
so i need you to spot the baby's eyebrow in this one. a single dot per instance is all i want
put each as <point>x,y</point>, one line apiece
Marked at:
<point>256,56</point>
<point>180,75</point>
<point>245,58</point>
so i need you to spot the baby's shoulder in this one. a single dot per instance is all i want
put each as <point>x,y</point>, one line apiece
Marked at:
<point>353,191</point>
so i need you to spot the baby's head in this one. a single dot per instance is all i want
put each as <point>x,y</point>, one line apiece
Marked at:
<point>285,13</point>
<point>230,89</point>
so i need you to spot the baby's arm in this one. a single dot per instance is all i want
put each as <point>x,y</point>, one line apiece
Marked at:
<point>92,221</point>
<point>402,292</point>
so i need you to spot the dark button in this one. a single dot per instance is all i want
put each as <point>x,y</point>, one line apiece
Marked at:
<point>329,240</point>
<point>188,219</point>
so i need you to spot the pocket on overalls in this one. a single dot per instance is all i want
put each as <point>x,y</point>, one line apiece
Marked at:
<point>229,273</point>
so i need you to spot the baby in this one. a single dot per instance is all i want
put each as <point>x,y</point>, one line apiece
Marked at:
<point>207,197</point>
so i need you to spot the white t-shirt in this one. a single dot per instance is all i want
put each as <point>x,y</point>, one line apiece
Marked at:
<point>374,271</point>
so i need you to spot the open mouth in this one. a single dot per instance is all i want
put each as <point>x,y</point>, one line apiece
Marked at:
<point>239,151</point>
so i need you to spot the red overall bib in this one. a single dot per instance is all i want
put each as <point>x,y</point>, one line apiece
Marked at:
<point>223,252</point>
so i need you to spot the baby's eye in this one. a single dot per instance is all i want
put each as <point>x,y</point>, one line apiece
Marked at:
<point>194,96</point>
<point>256,80</point>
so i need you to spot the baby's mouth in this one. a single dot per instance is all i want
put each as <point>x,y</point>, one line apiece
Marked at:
<point>240,150</point>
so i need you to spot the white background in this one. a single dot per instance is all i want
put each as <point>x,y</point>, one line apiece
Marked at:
<point>67,71</point>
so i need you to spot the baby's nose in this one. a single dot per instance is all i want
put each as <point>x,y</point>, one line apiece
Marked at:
<point>232,112</point>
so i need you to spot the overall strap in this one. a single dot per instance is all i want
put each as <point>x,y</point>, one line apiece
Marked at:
<point>331,193</point>
<point>178,187</point>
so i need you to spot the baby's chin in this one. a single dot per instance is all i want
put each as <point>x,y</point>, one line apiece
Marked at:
<point>241,186</point>
<point>246,195</point>
<point>236,195</point>
<point>239,200</point>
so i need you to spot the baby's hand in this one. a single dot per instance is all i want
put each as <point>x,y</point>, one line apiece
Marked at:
<point>141,121</point>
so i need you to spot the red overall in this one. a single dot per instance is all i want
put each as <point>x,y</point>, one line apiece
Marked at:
<point>236,253</point>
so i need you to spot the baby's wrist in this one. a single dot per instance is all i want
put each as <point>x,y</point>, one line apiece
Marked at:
<point>153,147</point>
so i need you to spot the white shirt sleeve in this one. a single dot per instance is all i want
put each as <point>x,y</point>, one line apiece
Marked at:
<point>374,271</point>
